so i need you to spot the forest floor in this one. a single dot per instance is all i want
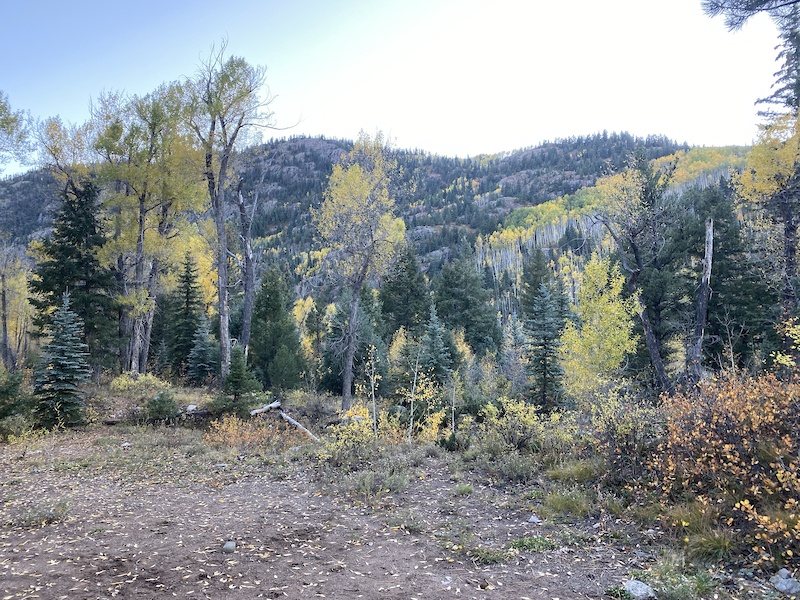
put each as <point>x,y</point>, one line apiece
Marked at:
<point>129,512</point>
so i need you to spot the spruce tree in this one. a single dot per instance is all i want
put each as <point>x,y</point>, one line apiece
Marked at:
<point>544,328</point>
<point>202,363</point>
<point>70,263</point>
<point>63,367</point>
<point>404,298</point>
<point>186,311</point>
<point>436,359</point>
<point>535,272</point>
<point>274,328</point>
<point>463,302</point>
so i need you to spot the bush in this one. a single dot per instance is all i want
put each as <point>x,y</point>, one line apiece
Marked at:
<point>734,445</point>
<point>353,441</point>
<point>138,386</point>
<point>261,435</point>
<point>161,408</point>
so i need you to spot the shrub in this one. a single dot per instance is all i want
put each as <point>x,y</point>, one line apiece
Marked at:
<point>139,386</point>
<point>252,436</point>
<point>734,445</point>
<point>161,408</point>
<point>353,441</point>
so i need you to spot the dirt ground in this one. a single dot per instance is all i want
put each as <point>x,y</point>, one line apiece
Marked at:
<point>110,514</point>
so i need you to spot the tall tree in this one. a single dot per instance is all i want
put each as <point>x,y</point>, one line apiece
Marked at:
<point>358,228</point>
<point>275,336</point>
<point>535,272</point>
<point>147,164</point>
<point>187,311</point>
<point>462,302</point>
<point>772,182</point>
<point>594,348</point>
<point>63,367</point>
<point>636,214</point>
<point>544,330</point>
<point>405,300</point>
<point>13,131</point>
<point>68,262</point>
<point>224,101</point>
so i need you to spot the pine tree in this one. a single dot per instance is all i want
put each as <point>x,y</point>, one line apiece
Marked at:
<point>202,363</point>
<point>436,359</point>
<point>404,298</point>
<point>186,313</point>
<point>274,328</point>
<point>544,328</point>
<point>535,272</point>
<point>70,263</point>
<point>462,302</point>
<point>62,369</point>
<point>240,380</point>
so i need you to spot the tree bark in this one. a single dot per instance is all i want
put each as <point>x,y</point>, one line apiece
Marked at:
<point>351,338</point>
<point>249,275</point>
<point>695,354</point>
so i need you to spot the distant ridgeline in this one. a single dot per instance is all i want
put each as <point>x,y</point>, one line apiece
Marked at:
<point>505,204</point>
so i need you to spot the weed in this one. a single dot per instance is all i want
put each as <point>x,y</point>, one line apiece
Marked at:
<point>463,489</point>
<point>42,514</point>
<point>580,471</point>
<point>617,591</point>
<point>488,556</point>
<point>533,543</point>
<point>570,502</point>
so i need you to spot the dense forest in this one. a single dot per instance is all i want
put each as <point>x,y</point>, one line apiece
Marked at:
<point>635,296</point>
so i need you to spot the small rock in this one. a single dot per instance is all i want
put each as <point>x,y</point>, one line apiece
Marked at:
<point>191,408</point>
<point>229,547</point>
<point>534,519</point>
<point>220,465</point>
<point>784,574</point>
<point>786,585</point>
<point>125,445</point>
<point>639,589</point>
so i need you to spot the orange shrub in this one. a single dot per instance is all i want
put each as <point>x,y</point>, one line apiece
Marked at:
<point>262,435</point>
<point>734,444</point>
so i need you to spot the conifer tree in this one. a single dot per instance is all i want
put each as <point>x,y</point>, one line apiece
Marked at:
<point>436,359</point>
<point>186,312</point>
<point>544,328</point>
<point>535,272</point>
<point>70,263</point>
<point>240,380</point>
<point>202,362</point>
<point>63,368</point>
<point>462,302</point>
<point>274,329</point>
<point>404,298</point>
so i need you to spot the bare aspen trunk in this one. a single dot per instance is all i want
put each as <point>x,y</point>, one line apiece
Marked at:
<point>695,354</point>
<point>351,337</point>
<point>249,275</point>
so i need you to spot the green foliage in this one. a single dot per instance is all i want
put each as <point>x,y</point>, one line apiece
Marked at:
<point>63,367</point>
<point>161,408</point>
<point>462,302</point>
<point>186,312</point>
<point>404,298</point>
<point>274,350</point>
<point>240,380</point>
<point>139,386</point>
<point>533,543</point>
<point>203,358</point>
<point>12,402</point>
<point>69,263</point>
<point>544,331</point>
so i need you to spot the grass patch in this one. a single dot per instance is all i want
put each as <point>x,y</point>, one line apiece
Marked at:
<point>575,503</point>
<point>533,543</point>
<point>40,515</point>
<point>463,489</point>
<point>580,471</point>
<point>483,555</point>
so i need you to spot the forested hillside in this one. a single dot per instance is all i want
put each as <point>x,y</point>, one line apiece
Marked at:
<point>610,317</point>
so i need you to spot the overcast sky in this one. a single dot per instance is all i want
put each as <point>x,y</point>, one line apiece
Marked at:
<point>453,77</point>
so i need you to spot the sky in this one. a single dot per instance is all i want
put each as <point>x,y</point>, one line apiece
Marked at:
<point>452,77</point>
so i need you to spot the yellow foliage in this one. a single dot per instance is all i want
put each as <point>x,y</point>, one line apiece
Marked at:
<point>593,350</point>
<point>260,436</point>
<point>735,443</point>
<point>772,162</point>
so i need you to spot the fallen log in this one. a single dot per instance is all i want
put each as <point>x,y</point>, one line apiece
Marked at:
<point>276,406</point>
